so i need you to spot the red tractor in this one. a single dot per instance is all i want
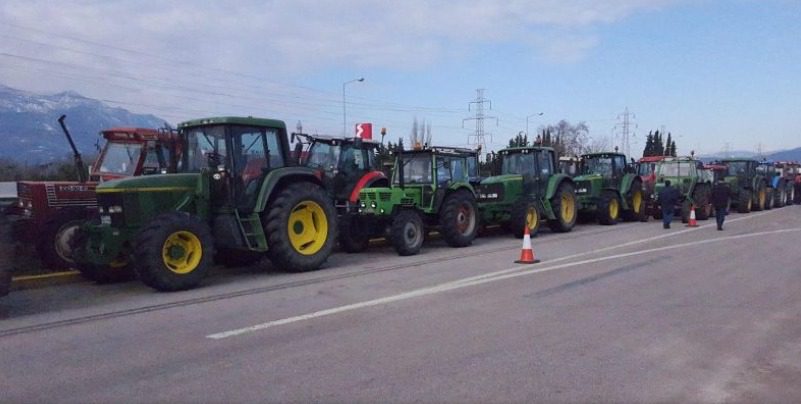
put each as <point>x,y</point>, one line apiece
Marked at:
<point>346,165</point>
<point>646,169</point>
<point>47,213</point>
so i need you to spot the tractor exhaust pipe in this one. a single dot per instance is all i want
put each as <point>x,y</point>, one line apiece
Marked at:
<point>76,156</point>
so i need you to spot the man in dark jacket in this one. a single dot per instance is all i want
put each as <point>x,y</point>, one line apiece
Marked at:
<point>720,200</point>
<point>668,197</point>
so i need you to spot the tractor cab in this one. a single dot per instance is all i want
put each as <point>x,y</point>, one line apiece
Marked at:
<point>430,172</point>
<point>607,167</point>
<point>682,172</point>
<point>569,165</point>
<point>134,151</point>
<point>346,165</point>
<point>527,168</point>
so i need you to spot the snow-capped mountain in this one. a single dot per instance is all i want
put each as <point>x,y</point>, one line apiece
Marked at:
<point>29,123</point>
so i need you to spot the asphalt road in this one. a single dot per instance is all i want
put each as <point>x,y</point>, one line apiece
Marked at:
<point>628,313</point>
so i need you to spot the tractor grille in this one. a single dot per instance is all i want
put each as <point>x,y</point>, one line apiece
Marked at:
<point>385,196</point>
<point>367,196</point>
<point>106,201</point>
<point>81,197</point>
<point>583,187</point>
<point>407,201</point>
<point>490,192</point>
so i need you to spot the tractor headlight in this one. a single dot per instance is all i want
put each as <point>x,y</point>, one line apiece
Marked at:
<point>363,205</point>
<point>21,204</point>
<point>29,205</point>
<point>382,211</point>
<point>581,191</point>
<point>373,204</point>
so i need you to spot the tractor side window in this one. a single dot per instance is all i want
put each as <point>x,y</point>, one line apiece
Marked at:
<point>443,171</point>
<point>250,159</point>
<point>203,145</point>
<point>323,156</point>
<point>545,164</point>
<point>120,158</point>
<point>153,162</point>
<point>620,164</point>
<point>416,169</point>
<point>274,149</point>
<point>458,172</point>
<point>472,167</point>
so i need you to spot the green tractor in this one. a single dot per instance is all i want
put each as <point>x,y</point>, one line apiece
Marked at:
<point>693,182</point>
<point>430,190</point>
<point>749,188</point>
<point>527,190</point>
<point>609,188</point>
<point>236,193</point>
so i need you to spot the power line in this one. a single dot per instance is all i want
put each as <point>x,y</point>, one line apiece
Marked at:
<point>479,138</point>
<point>624,128</point>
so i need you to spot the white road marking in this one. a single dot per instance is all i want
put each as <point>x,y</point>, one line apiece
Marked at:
<point>510,273</point>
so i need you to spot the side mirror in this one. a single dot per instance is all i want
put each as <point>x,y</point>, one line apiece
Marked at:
<point>298,152</point>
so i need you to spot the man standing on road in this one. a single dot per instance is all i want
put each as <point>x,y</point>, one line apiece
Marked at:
<point>720,200</point>
<point>668,198</point>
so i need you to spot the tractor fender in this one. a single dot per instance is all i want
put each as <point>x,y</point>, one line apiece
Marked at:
<point>367,180</point>
<point>281,177</point>
<point>625,184</point>
<point>554,182</point>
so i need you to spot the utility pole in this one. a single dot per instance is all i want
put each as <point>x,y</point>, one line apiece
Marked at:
<point>625,127</point>
<point>479,138</point>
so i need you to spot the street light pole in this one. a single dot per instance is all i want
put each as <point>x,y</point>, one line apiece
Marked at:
<point>537,114</point>
<point>344,109</point>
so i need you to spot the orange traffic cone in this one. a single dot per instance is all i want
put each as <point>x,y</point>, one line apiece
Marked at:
<point>527,254</point>
<point>692,222</point>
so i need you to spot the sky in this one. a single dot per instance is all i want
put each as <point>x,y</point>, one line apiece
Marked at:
<point>716,74</point>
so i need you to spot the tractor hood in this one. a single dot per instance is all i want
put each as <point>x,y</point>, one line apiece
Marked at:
<point>500,188</point>
<point>152,183</point>
<point>588,177</point>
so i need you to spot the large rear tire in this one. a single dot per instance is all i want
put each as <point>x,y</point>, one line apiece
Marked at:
<point>354,234</point>
<point>301,228</point>
<point>524,213</point>
<point>760,198</point>
<point>458,219</point>
<point>609,208</point>
<point>564,208</point>
<point>407,232</point>
<point>174,252</point>
<point>701,195</point>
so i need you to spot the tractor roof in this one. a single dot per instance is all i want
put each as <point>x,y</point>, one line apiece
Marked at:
<point>126,133</point>
<point>443,150</point>
<point>670,159</point>
<point>603,154</point>
<point>651,159</point>
<point>511,150</point>
<point>336,139</point>
<point>736,160</point>
<point>720,167</point>
<point>234,120</point>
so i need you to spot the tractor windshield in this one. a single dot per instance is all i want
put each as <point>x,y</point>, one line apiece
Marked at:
<point>120,158</point>
<point>519,163</point>
<point>645,169</point>
<point>674,169</point>
<point>416,169</point>
<point>323,155</point>
<point>204,144</point>
<point>737,167</point>
<point>597,165</point>
<point>766,169</point>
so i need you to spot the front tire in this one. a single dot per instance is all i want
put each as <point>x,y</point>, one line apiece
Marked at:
<point>525,213</point>
<point>609,208</point>
<point>744,201</point>
<point>301,228</point>
<point>458,219</point>
<point>407,232</point>
<point>636,201</point>
<point>54,244</point>
<point>564,207</point>
<point>174,252</point>
<point>703,209</point>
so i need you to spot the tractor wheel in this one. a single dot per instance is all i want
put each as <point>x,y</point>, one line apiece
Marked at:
<point>744,201</point>
<point>609,208</point>
<point>791,195</point>
<point>769,195</point>
<point>658,213</point>
<point>174,252</point>
<point>685,212</point>
<point>524,213</point>
<point>458,219</point>
<point>636,202</point>
<point>761,197</point>
<point>564,208</point>
<point>780,196</point>
<point>53,246</point>
<point>797,194</point>
<point>407,232</point>
<point>354,234</point>
<point>230,257</point>
<point>118,270</point>
<point>301,228</point>
<point>703,209</point>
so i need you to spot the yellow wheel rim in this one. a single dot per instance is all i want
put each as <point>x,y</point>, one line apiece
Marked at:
<point>614,209</point>
<point>636,202</point>
<point>762,198</point>
<point>532,218</point>
<point>308,228</point>
<point>568,207</point>
<point>182,252</point>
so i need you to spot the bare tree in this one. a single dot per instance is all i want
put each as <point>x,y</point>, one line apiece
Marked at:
<point>596,145</point>
<point>574,138</point>
<point>420,134</point>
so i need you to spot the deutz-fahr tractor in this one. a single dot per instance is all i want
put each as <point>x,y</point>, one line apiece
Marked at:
<point>430,189</point>
<point>749,189</point>
<point>693,182</point>
<point>236,192</point>
<point>791,173</point>
<point>777,184</point>
<point>48,212</point>
<point>346,166</point>
<point>528,190</point>
<point>609,187</point>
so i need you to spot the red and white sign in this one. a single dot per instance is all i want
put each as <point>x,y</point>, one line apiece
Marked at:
<point>364,131</point>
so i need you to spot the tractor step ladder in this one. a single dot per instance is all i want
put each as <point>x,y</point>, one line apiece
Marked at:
<point>250,225</point>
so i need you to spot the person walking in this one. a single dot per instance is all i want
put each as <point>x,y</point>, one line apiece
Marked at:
<point>720,200</point>
<point>668,197</point>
